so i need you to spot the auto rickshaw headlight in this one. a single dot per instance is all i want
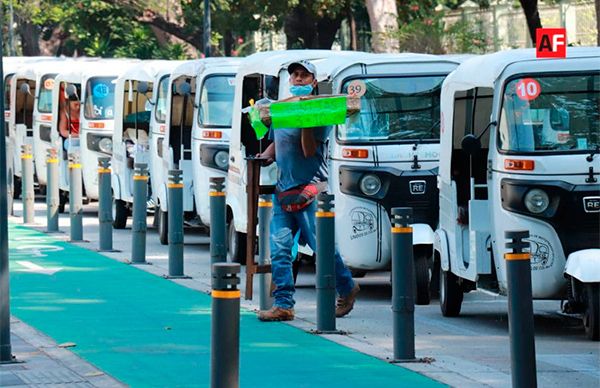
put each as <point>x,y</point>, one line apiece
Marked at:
<point>537,201</point>
<point>105,145</point>
<point>222,159</point>
<point>370,184</point>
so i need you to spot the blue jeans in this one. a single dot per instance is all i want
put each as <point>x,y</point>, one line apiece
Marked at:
<point>284,226</point>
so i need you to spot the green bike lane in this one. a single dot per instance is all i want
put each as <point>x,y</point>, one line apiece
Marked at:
<point>147,331</point>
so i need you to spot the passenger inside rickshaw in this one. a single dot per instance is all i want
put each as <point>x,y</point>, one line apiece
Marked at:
<point>68,117</point>
<point>472,112</point>
<point>136,118</point>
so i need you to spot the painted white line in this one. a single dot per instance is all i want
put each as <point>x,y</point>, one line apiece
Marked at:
<point>31,267</point>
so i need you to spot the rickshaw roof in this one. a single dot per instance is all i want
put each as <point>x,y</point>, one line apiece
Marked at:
<point>76,73</point>
<point>484,70</point>
<point>109,67</point>
<point>32,70</point>
<point>147,70</point>
<point>197,66</point>
<point>272,62</point>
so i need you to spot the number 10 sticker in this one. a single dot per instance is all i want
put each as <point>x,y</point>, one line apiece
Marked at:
<point>357,88</point>
<point>528,89</point>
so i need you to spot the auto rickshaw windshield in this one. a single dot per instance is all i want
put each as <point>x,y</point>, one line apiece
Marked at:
<point>100,98</point>
<point>394,109</point>
<point>45,93</point>
<point>161,100</point>
<point>216,101</point>
<point>555,113</point>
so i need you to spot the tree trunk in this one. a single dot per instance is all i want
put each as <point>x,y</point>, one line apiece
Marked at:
<point>530,7</point>
<point>228,43</point>
<point>353,32</point>
<point>30,37</point>
<point>307,30</point>
<point>383,17</point>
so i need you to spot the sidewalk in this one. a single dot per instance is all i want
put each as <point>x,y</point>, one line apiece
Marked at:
<point>146,331</point>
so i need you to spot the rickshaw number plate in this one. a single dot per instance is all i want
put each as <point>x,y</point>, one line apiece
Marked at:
<point>591,204</point>
<point>417,187</point>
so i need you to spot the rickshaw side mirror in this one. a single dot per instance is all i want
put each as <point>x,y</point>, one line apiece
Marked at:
<point>184,89</point>
<point>71,92</point>
<point>24,88</point>
<point>142,87</point>
<point>471,144</point>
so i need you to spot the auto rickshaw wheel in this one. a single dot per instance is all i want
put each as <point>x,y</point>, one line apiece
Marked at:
<point>591,316</point>
<point>451,294</point>
<point>119,213</point>
<point>163,226</point>
<point>16,187</point>
<point>236,245</point>
<point>423,277</point>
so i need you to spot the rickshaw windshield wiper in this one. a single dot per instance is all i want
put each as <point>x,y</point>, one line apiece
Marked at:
<point>428,133</point>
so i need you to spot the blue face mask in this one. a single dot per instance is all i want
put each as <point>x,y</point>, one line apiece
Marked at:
<point>301,90</point>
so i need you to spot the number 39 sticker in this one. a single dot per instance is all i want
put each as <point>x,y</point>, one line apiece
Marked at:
<point>528,89</point>
<point>357,88</point>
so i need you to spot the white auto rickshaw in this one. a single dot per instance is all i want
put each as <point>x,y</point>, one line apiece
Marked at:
<point>67,85</point>
<point>211,128</point>
<point>520,141</point>
<point>264,75</point>
<point>97,114</point>
<point>22,106</point>
<point>387,156</point>
<point>42,113</point>
<point>133,110</point>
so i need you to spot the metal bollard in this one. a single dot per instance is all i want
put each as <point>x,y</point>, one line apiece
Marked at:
<point>325,277</point>
<point>520,311</point>
<point>28,193</point>
<point>52,191</point>
<point>75,198</point>
<point>265,208</point>
<point>105,216</point>
<point>140,212</point>
<point>403,283</point>
<point>175,214</point>
<point>218,247</point>
<point>225,326</point>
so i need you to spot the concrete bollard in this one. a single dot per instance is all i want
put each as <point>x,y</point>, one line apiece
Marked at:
<point>225,326</point>
<point>403,284</point>
<point>325,276</point>
<point>52,191</point>
<point>175,214</point>
<point>27,190</point>
<point>105,205</point>
<point>140,212</point>
<point>265,209</point>
<point>75,198</point>
<point>520,311</point>
<point>218,228</point>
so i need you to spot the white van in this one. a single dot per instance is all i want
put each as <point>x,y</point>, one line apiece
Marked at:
<point>387,156</point>
<point>133,98</point>
<point>264,75</point>
<point>520,141</point>
<point>97,114</point>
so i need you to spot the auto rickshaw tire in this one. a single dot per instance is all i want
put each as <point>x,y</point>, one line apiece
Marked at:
<point>63,198</point>
<point>358,273</point>
<point>120,213</point>
<point>422,277</point>
<point>163,226</point>
<point>591,316</point>
<point>236,245</point>
<point>451,294</point>
<point>16,187</point>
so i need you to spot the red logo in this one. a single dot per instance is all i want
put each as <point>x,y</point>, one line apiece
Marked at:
<point>551,43</point>
<point>528,89</point>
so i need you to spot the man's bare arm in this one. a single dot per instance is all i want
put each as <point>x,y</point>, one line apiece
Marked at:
<point>309,143</point>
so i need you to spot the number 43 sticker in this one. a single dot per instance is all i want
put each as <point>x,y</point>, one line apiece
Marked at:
<point>528,89</point>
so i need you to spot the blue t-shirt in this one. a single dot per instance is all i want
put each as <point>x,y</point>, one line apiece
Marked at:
<point>293,168</point>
